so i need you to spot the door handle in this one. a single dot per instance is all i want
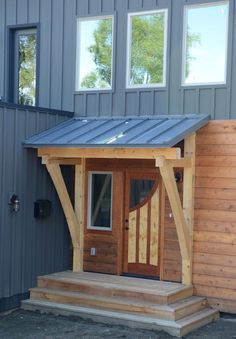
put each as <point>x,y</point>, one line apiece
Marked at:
<point>126,224</point>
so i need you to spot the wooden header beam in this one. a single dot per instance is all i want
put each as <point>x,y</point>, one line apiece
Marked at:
<point>117,153</point>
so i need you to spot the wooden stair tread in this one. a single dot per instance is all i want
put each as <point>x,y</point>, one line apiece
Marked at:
<point>171,307</point>
<point>176,328</point>
<point>172,311</point>
<point>122,300</point>
<point>145,284</point>
<point>156,290</point>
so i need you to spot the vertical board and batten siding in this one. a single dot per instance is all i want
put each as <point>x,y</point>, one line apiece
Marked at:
<point>171,99</point>
<point>57,24</point>
<point>28,247</point>
<point>214,260</point>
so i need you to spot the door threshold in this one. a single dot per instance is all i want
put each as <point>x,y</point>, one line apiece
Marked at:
<point>140,276</point>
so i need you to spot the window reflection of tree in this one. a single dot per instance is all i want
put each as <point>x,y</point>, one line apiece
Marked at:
<point>27,69</point>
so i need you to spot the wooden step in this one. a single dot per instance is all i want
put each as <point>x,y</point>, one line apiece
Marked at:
<point>176,328</point>
<point>105,285</point>
<point>174,311</point>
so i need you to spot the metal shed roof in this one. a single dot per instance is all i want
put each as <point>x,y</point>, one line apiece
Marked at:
<point>148,131</point>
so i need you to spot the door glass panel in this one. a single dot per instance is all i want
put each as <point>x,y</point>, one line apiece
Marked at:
<point>101,187</point>
<point>139,190</point>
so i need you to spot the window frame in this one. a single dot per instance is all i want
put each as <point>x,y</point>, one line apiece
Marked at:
<point>78,51</point>
<point>128,49</point>
<point>11,68</point>
<point>89,210</point>
<point>184,45</point>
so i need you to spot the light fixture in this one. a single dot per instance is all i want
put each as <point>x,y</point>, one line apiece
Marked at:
<point>14,203</point>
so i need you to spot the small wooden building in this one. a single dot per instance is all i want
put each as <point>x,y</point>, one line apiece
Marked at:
<point>124,170</point>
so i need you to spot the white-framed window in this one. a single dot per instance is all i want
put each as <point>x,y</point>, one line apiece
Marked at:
<point>205,41</point>
<point>94,57</point>
<point>146,49</point>
<point>100,201</point>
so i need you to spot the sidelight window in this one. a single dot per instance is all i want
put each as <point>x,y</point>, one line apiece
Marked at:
<point>100,201</point>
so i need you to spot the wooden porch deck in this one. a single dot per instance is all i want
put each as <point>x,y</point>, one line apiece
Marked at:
<point>110,299</point>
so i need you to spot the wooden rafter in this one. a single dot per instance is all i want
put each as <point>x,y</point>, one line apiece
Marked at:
<point>113,153</point>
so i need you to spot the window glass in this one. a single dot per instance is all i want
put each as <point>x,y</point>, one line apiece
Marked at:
<point>100,200</point>
<point>205,43</point>
<point>139,190</point>
<point>95,44</point>
<point>25,91</point>
<point>147,49</point>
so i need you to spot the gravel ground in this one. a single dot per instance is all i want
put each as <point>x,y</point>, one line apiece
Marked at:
<point>25,324</point>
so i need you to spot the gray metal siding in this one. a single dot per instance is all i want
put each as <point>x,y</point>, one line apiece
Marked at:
<point>57,46</point>
<point>57,20</point>
<point>28,247</point>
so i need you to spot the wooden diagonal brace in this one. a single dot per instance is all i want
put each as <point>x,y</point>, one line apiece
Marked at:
<point>57,178</point>
<point>168,177</point>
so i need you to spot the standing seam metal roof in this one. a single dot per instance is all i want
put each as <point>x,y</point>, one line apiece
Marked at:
<point>148,131</point>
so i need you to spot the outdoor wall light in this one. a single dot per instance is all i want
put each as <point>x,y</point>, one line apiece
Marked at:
<point>178,177</point>
<point>14,203</point>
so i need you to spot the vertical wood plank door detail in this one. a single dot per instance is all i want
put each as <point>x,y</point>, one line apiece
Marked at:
<point>142,224</point>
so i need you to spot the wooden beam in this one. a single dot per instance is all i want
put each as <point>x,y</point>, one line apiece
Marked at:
<point>57,178</point>
<point>119,153</point>
<point>60,161</point>
<point>79,211</point>
<point>188,202</point>
<point>168,177</point>
<point>183,162</point>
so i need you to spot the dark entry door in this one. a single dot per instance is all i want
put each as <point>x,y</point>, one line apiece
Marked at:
<point>142,224</point>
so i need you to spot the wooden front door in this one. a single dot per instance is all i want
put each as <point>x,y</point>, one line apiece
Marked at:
<point>142,224</point>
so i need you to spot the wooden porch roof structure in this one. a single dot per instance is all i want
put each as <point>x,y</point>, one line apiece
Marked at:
<point>77,139</point>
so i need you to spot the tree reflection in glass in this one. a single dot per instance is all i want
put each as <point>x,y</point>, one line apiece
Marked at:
<point>205,43</point>
<point>27,68</point>
<point>147,46</point>
<point>95,53</point>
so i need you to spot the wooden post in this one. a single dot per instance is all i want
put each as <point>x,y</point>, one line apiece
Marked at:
<point>57,178</point>
<point>79,211</point>
<point>188,203</point>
